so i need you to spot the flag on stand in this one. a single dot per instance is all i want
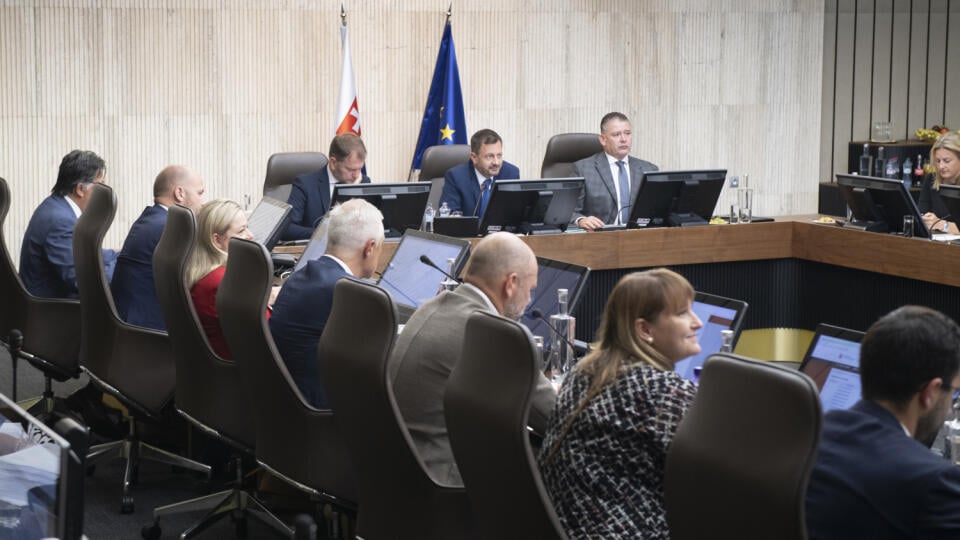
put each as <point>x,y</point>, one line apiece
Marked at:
<point>348,115</point>
<point>443,121</point>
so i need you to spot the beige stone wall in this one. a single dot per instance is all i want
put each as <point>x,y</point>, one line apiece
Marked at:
<point>221,85</point>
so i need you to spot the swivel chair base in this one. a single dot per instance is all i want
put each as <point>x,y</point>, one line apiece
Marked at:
<point>132,450</point>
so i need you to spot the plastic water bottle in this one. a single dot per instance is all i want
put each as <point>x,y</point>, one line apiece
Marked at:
<point>428,214</point>
<point>444,209</point>
<point>726,341</point>
<point>561,352</point>
<point>908,173</point>
<point>449,284</point>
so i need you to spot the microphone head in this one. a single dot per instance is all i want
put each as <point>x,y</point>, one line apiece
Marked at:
<point>536,313</point>
<point>16,337</point>
<point>426,260</point>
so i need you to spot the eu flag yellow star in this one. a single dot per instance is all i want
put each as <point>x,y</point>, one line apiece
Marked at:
<point>447,133</point>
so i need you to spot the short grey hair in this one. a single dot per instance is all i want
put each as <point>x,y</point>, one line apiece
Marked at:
<point>352,224</point>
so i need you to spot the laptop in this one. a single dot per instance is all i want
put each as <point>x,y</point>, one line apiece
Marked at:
<point>553,275</point>
<point>268,221</point>
<point>411,282</point>
<point>833,362</point>
<point>316,246</point>
<point>717,314</point>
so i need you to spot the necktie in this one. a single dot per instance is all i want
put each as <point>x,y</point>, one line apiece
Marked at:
<point>624,182</point>
<point>485,195</point>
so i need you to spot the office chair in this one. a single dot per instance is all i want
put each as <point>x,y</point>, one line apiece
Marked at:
<point>486,405</point>
<point>223,414</point>
<point>740,460</point>
<point>435,163</point>
<point>398,499</point>
<point>295,442</point>
<point>133,364</point>
<point>283,167</point>
<point>565,149</point>
<point>39,319</point>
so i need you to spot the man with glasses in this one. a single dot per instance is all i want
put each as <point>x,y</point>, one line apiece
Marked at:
<point>875,476</point>
<point>466,187</point>
<point>46,255</point>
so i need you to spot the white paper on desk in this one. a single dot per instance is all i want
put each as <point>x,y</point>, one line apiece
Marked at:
<point>945,237</point>
<point>26,469</point>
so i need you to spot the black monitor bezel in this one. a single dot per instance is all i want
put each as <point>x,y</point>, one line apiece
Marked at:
<point>274,234</point>
<point>950,195</point>
<point>824,329</point>
<point>411,217</point>
<point>865,213</point>
<point>651,208</point>
<point>573,296</point>
<point>513,212</point>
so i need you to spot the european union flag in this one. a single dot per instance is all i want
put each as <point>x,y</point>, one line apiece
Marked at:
<point>443,121</point>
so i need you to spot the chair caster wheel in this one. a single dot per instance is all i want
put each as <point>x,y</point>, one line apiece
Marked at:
<point>150,532</point>
<point>126,504</point>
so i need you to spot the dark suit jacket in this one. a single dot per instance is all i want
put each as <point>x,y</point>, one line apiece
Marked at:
<point>425,355</point>
<point>599,195</point>
<point>871,480</point>
<point>461,190</point>
<point>46,255</point>
<point>299,317</point>
<point>310,198</point>
<point>132,285</point>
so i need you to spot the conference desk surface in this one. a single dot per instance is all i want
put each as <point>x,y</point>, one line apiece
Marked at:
<point>798,237</point>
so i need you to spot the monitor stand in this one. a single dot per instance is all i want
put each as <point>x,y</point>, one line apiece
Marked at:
<point>685,220</point>
<point>871,226</point>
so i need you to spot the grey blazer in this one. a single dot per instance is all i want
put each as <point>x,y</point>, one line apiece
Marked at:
<point>423,358</point>
<point>599,195</point>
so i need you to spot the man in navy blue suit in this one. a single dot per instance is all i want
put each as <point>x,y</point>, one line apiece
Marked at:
<point>310,193</point>
<point>132,285</point>
<point>354,240</point>
<point>466,187</point>
<point>875,476</point>
<point>46,255</point>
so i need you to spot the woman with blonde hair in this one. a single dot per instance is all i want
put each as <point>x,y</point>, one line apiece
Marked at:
<point>606,445</point>
<point>217,223</point>
<point>945,162</point>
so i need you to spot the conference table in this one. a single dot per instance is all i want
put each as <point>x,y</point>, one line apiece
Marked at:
<point>794,272</point>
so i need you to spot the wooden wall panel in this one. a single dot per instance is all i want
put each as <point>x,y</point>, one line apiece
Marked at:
<point>220,85</point>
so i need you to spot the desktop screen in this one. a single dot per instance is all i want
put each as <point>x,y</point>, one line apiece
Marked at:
<point>409,281</point>
<point>833,362</point>
<point>553,275</point>
<point>716,314</point>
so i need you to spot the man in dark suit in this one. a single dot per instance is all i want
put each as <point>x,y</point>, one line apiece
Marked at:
<point>610,178</point>
<point>354,240</point>
<point>310,193</point>
<point>466,187</point>
<point>500,275</point>
<point>875,476</point>
<point>46,255</point>
<point>132,285</point>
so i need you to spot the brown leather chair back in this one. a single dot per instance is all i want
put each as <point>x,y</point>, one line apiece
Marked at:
<point>283,167</point>
<point>398,499</point>
<point>565,149</point>
<point>294,440</point>
<point>133,364</point>
<point>486,405</point>
<point>739,463</point>
<point>37,318</point>
<point>226,412</point>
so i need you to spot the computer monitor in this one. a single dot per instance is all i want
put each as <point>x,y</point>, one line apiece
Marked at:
<point>717,314</point>
<point>553,275</point>
<point>531,206</point>
<point>317,245</point>
<point>268,220</point>
<point>41,475</point>
<point>879,204</point>
<point>402,204</point>
<point>676,198</point>
<point>833,362</point>
<point>411,282</point>
<point>950,195</point>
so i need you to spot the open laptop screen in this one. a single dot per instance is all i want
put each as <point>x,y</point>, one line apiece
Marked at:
<point>316,246</point>
<point>716,313</point>
<point>411,282</point>
<point>268,219</point>
<point>833,362</point>
<point>553,275</point>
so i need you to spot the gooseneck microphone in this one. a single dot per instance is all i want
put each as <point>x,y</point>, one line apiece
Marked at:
<point>426,260</point>
<point>537,314</point>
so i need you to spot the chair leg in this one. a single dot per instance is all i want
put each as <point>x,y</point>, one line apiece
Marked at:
<point>255,508</point>
<point>106,452</point>
<point>162,456</point>
<point>205,502</point>
<point>218,512</point>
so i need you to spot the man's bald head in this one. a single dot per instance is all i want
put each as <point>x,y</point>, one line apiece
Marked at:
<point>177,184</point>
<point>505,268</point>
